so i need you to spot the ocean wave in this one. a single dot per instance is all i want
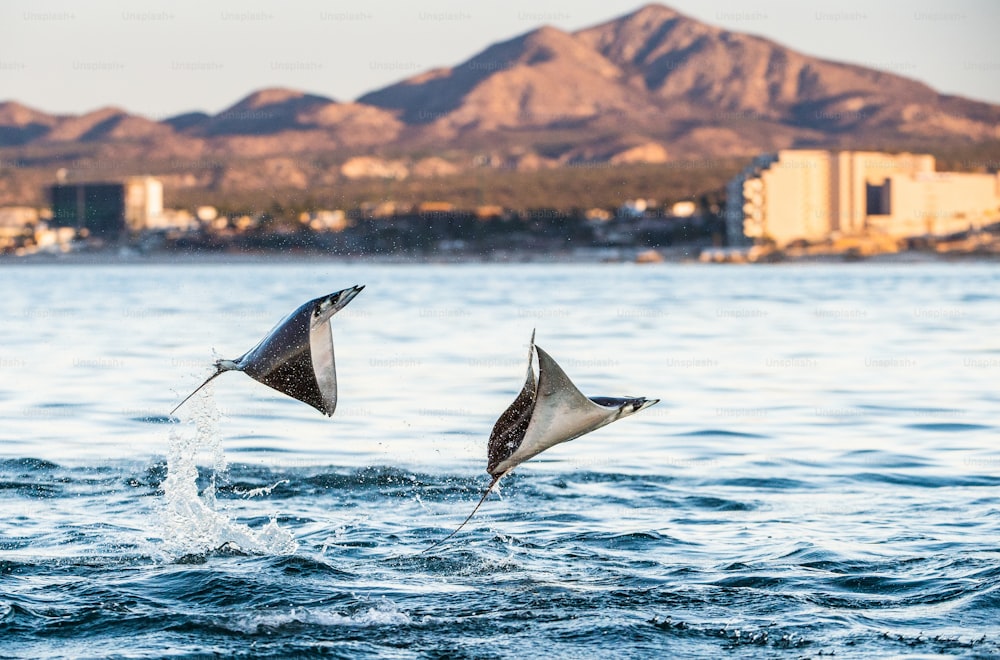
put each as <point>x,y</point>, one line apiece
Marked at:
<point>382,613</point>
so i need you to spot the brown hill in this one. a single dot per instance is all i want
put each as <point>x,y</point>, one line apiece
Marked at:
<point>20,124</point>
<point>684,63</point>
<point>283,121</point>
<point>668,75</point>
<point>264,112</point>
<point>543,78</point>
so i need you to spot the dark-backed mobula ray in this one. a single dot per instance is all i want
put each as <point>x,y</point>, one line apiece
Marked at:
<point>549,410</point>
<point>296,357</point>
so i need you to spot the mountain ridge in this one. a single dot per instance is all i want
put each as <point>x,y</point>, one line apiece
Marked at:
<point>651,86</point>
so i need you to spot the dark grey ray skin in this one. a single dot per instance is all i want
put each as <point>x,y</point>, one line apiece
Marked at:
<point>548,411</point>
<point>296,357</point>
<point>509,429</point>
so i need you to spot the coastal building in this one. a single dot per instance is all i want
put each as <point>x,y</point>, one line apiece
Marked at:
<point>52,239</point>
<point>206,214</point>
<point>174,219</point>
<point>635,208</point>
<point>816,195</point>
<point>92,209</point>
<point>17,225</point>
<point>143,203</point>
<point>684,209</point>
<point>325,220</point>
<point>933,203</point>
<point>109,209</point>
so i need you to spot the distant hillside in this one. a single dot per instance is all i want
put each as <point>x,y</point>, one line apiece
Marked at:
<point>653,86</point>
<point>694,88</point>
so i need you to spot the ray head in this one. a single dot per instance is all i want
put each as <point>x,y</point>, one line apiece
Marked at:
<point>327,306</point>
<point>625,406</point>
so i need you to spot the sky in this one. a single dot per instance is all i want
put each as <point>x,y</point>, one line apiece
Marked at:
<point>160,59</point>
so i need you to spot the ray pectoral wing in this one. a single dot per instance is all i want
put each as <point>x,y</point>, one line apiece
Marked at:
<point>323,365</point>
<point>508,432</point>
<point>295,378</point>
<point>561,411</point>
<point>554,384</point>
<point>284,342</point>
<point>282,360</point>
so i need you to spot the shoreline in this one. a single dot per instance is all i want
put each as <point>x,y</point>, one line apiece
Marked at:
<point>672,257</point>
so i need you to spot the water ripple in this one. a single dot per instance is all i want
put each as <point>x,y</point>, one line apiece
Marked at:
<point>792,496</point>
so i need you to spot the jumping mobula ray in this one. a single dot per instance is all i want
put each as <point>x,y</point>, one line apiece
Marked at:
<point>296,357</point>
<point>548,411</point>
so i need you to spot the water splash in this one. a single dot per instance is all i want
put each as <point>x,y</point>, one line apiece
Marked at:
<point>193,522</point>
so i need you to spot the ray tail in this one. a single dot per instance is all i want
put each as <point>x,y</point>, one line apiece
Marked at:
<point>208,380</point>
<point>468,518</point>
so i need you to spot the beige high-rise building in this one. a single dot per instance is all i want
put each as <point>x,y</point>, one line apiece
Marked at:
<point>855,172</point>
<point>934,203</point>
<point>815,195</point>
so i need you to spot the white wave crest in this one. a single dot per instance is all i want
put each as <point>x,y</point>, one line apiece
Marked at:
<point>192,522</point>
<point>383,613</point>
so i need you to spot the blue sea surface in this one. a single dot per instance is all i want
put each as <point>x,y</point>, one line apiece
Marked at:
<point>821,477</point>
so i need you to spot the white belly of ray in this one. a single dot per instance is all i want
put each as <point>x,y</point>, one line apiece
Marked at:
<point>321,348</point>
<point>561,413</point>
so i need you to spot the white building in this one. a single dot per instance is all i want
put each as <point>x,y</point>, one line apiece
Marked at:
<point>325,220</point>
<point>815,195</point>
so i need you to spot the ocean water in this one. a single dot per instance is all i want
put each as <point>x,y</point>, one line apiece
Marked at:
<point>821,477</point>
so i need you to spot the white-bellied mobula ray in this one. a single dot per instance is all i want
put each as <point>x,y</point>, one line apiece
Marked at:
<point>549,410</point>
<point>296,357</point>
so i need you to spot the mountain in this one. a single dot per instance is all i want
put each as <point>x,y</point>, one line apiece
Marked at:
<point>264,112</point>
<point>682,61</point>
<point>665,75</point>
<point>20,124</point>
<point>284,121</point>
<point>543,78</point>
<point>651,86</point>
